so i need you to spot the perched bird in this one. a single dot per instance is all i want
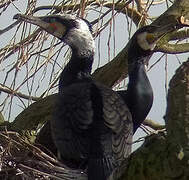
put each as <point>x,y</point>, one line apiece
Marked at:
<point>93,125</point>
<point>139,94</point>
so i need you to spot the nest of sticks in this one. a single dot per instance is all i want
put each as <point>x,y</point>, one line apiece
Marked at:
<point>20,160</point>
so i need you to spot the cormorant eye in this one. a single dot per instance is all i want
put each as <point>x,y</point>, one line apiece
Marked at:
<point>49,19</point>
<point>52,20</point>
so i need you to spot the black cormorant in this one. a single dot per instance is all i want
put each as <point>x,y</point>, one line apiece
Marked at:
<point>92,125</point>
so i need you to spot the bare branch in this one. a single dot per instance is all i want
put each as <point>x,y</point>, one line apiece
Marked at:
<point>4,3</point>
<point>14,93</point>
<point>152,124</point>
<point>9,27</point>
<point>173,48</point>
<point>11,50</point>
<point>179,35</point>
<point>153,2</point>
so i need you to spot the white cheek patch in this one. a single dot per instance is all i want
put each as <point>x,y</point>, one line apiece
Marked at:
<point>83,26</point>
<point>143,43</point>
<point>81,38</point>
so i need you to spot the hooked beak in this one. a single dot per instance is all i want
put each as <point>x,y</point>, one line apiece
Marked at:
<point>32,19</point>
<point>55,28</point>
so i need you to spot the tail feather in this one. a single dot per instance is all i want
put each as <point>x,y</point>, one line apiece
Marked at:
<point>100,169</point>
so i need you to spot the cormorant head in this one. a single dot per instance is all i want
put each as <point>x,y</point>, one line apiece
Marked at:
<point>144,40</point>
<point>74,31</point>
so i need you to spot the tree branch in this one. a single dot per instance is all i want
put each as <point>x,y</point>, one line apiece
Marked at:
<point>153,124</point>
<point>179,35</point>
<point>5,3</point>
<point>15,93</point>
<point>173,48</point>
<point>9,27</point>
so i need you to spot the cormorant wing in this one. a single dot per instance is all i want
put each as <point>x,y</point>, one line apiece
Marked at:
<point>72,117</point>
<point>118,118</point>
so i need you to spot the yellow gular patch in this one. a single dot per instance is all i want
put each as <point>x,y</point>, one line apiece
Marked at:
<point>150,38</point>
<point>184,20</point>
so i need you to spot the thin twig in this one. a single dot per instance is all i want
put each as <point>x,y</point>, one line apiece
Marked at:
<point>9,27</point>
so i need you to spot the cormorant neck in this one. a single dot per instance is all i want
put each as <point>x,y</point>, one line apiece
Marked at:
<point>77,69</point>
<point>140,94</point>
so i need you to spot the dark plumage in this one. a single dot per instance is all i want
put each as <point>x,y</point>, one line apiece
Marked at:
<point>92,125</point>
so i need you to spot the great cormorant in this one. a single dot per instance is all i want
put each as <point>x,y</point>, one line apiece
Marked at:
<point>92,125</point>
